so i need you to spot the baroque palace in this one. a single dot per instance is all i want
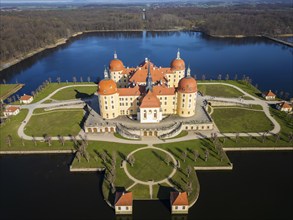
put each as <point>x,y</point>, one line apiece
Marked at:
<point>146,95</point>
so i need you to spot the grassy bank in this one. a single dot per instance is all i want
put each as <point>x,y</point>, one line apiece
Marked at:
<point>232,120</point>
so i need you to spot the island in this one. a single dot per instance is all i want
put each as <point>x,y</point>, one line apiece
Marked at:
<point>148,129</point>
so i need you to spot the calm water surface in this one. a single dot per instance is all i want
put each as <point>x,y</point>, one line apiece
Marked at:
<point>269,64</point>
<point>41,187</point>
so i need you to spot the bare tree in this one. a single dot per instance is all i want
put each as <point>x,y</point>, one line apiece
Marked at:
<point>58,79</point>
<point>277,137</point>
<point>219,77</point>
<point>203,77</point>
<point>189,188</point>
<point>188,170</point>
<point>236,77</point>
<point>48,139</point>
<point>114,158</point>
<point>195,154</point>
<point>78,155</point>
<point>62,140</point>
<point>103,156</point>
<point>81,79</point>
<point>131,160</point>
<point>74,79</point>
<point>89,79</point>
<point>34,140</point>
<point>227,77</point>
<point>168,159</point>
<point>184,155</point>
<point>9,140</point>
<point>206,155</point>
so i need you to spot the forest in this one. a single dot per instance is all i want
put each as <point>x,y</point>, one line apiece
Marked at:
<point>22,32</point>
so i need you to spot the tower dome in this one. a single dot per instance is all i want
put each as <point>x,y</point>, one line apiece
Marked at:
<point>177,63</point>
<point>116,64</point>
<point>107,87</point>
<point>187,85</point>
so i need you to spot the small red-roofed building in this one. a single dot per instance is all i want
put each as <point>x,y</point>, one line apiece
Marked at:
<point>26,99</point>
<point>179,202</point>
<point>123,203</point>
<point>150,109</point>
<point>11,110</point>
<point>284,106</point>
<point>269,95</point>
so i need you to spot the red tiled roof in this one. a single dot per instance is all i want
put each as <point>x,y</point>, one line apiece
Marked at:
<point>128,70</point>
<point>25,97</point>
<point>134,91</point>
<point>179,198</point>
<point>123,199</point>
<point>269,93</point>
<point>11,109</point>
<point>150,100</point>
<point>284,105</point>
<point>163,90</point>
<point>140,75</point>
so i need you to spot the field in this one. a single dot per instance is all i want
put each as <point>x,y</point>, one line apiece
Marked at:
<point>55,123</point>
<point>75,93</point>
<point>232,120</point>
<point>219,91</point>
<point>7,90</point>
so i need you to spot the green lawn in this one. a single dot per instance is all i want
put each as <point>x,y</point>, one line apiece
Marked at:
<point>55,123</point>
<point>219,91</point>
<point>52,87</point>
<point>10,128</point>
<point>180,179</point>
<point>181,134</point>
<point>150,165</point>
<point>250,89</point>
<point>75,93</point>
<point>8,89</point>
<point>140,192</point>
<point>286,123</point>
<point>241,120</point>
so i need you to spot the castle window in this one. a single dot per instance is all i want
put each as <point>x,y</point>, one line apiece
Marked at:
<point>165,98</point>
<point>106,107</point>
<point>113,114</point>
<point>183,207</point>
<point>173,103</point>
<point>107,115</point>
<point>160,98</point>
<point>126,99</point>
<point>189,113</point>
<point>112,106</point>
<point>112,101</point>
<point>183,95</point>
<point>182,112</point>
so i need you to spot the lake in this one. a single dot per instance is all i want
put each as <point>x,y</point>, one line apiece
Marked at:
<point>41,187</point>
<point>260,185</point>
<point>269,64</point>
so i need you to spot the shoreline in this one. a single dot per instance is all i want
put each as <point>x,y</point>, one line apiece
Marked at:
<point>63,41</point>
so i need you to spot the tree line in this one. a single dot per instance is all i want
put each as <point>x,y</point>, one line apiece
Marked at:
<point>25,31</point>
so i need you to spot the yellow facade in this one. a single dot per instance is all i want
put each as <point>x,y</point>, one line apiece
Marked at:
<point>128,105</point>
<point>174,78</point>
<point>109,108</point>
<point>186,104</point>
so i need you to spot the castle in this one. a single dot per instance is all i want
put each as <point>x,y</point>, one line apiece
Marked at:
<point>147,93</point>
<point>147,101</point>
